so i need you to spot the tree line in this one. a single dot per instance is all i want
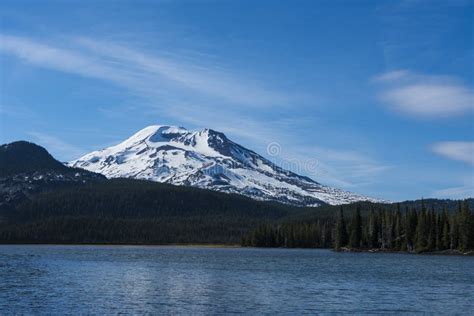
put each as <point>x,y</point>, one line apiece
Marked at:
<point>134,211</point>
<point>410,230</point>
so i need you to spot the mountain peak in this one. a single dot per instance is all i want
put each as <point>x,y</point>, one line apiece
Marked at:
<point>207,159</point>
<point>155,133</point>
<point>23,156</point>
<point>165,133</point>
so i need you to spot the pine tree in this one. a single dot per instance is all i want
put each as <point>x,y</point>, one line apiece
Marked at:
<point>356,229</point>
<point>327,233</point>
<point>372,232</point>
<point>422,230</point>
<point>341,231</point>
<point>446,239</point>
<point>383,229</point>
<point>439,232</point>
<point>470,229</point>
<point>410,228</point>
<point>431,230</point>
<point>464,218</point>
<point>398,229</point>
<point>454,234</point>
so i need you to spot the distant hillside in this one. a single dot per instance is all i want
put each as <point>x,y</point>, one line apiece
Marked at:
<point>26,169</point>
<point>328,211</point>
<point>23,157</point>
<point>42,201</point>
<point>129,211</point>
<point>137,211</point>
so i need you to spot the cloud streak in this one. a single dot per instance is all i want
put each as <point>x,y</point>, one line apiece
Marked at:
<point>424,96</point>
<point>461,192</point>
<point>463,189</point>
<point>147,75</point>
<point>460,151</point>
<point>210,80</point>
<point>57,146</point>
<point>355,168</point>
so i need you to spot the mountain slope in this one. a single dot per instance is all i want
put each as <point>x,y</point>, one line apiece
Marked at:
<point>22,156</point>
<point>208,159</point>
<point>26,168</point>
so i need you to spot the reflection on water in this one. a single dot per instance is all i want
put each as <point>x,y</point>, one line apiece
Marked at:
<point>113,279</point>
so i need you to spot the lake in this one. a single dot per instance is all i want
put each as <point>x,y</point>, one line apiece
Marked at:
<point>43,279</point>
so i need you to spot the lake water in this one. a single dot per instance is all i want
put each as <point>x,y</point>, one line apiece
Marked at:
<point>135,279</point>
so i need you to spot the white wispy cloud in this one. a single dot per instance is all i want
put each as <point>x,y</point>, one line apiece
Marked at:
<point>461,151</point>
<point>460,192</point>
<point>56,58</point>
<point>56,146</point>
<point>148,75</point>
<point>213,80</point>
<point>425,96</point>
<point>463,188</point>
<point>355,168</point>
<point>17,111</point>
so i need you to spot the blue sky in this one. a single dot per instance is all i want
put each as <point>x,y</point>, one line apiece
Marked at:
<point>374,97</point>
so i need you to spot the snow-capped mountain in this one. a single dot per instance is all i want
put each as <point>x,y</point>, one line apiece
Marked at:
<point>208,159</point>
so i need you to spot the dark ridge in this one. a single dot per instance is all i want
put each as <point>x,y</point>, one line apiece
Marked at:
<point>23,157</point>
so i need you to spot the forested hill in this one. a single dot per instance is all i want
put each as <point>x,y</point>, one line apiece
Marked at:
<point>135,211</point>
<point>26,169</point>
<point>24,157</point>
<point>42,201</point>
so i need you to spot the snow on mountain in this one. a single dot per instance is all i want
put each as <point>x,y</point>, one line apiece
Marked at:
<point>208,159</point>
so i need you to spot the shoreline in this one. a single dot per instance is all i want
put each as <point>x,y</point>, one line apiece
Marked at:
<point>204,245</point>
<point>447,252</point>
<point>123,244</point>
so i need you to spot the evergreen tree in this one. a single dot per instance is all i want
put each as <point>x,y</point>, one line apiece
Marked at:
<point>454,234</point>
<point>464,218</point>
<point>327,234</point>
<point>383,229</point>
<point>431,231</point>
<point>356,229</point>
<point>410,227</point>
<point>470,228</point>
<point>422,229</point>
<point>439,232</point>
<point>373,230</point>
<point>445,238</point>
<point>341,231</point>
<point>398,230</point>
